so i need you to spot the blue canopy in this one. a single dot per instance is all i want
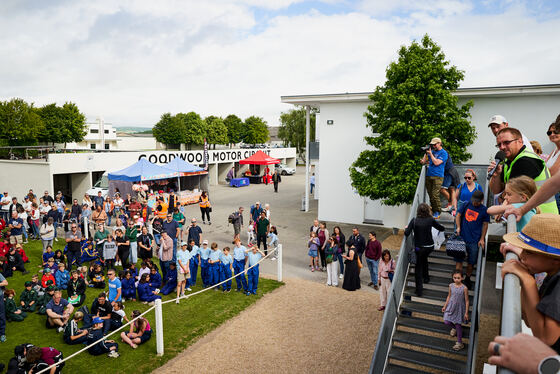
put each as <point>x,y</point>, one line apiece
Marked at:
<point>143,170</point>
<point>182,166</point>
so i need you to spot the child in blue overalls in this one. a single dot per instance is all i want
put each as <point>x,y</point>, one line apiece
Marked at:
<point>194,260</point>
<point>170,279</point>
<point>239,260</point>
<point>204,252</point>
<point>128,285</point>
<point>254,254</point>
<point>214,264</point>
<point>225,269</point>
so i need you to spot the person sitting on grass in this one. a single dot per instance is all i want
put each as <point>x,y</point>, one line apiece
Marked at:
<point>146,293</point>
<point>128,285</point>
<point>28,298</point>
<point>47,277</point>
<point>155,278</point>
<point>117,315</point>
<point>48,254</point>
<point>170,280</point>
<point>15,261</point>
<point>538,247</point>
<point>41,358</point>
<point>62,276</point>
<point>42,301</point>
<point>4,268</point>
<point>104,346</point>
<point>36,285</point>
<point>13,313</point>
<point>76,290</point>
<point>52,266</point>
<point>59,257</point>
<point>102,308</point>
<point>58,312</point>
<point>140,331</point>
<point>73,334</point>
<point>96,276</point>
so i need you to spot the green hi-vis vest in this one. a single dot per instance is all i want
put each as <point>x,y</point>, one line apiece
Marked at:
<point>550,205</point>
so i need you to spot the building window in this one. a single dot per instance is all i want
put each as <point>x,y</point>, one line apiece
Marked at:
<point>92,146</point>
<point>106,146</point>
<point>94,131</point>
<point>106,131</point>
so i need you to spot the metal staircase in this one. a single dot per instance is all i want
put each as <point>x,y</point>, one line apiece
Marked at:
<point>412,336</point>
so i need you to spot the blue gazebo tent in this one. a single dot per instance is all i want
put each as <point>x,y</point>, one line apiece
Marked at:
<point>190,176</point>
<point>181,166</point>
<point>142,170</point>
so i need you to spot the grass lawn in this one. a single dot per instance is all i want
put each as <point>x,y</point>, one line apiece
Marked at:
<point>183,324</point>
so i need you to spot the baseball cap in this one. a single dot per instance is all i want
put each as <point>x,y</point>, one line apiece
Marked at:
<point>477,197</point>
<point>205,242</point>
<point>51,288</point>
<point>184,243</point>
<point>498,119</point>
<point>28,284</point>
<point>97,320</point>
<point>435,140</point>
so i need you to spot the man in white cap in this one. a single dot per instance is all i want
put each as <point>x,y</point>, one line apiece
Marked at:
<point>436,158</point>
<point>498,122</point>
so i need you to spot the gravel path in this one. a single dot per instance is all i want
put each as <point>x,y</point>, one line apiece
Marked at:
<point>303,327</point>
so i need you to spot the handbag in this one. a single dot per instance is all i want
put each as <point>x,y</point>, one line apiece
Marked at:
<point>391,274</point>
<point>210,209</point>
<point>359,262</point>
<point>329,259</point>
<point>456,247</point>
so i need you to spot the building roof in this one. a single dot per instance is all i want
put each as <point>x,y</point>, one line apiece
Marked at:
<point>498,91</point>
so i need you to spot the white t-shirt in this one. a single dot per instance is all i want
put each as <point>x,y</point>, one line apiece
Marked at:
<point>44,209</point>
<point>118,202</point>
<point>527,143</point>
<point>26,206</point>
<point>8,200</point>
<point>552,158</point>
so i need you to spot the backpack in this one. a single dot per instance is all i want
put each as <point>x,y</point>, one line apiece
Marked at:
<point>231,218</point>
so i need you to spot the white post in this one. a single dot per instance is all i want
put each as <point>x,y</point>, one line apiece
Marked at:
<point>307,166</point>
<point>86,228</point>
<point>159,328</point>
<point>279,261</point>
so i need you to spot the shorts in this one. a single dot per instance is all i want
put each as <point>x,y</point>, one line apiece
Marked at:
<point>312,253</point>
<point>181,277</point>
<point>236,228</point>
<point>451,179</point>
<point>472,253</point>
<point>16,239</point>
<point>146,336</point>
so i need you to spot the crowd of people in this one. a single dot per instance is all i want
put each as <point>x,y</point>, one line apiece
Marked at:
<point>118,256</point>
<point>525,182</point>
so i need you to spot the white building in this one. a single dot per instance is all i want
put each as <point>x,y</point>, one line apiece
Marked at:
<point>341,128</point>
<point>100,136</point>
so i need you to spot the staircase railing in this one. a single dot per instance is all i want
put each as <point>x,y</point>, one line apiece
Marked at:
<point>383,345</point>
<point>511,297</point>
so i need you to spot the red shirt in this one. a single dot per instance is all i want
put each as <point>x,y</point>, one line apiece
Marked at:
<point>373,250</point>
<point>48,354</point>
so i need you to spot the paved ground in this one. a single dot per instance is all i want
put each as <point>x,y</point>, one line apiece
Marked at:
<point>303,327</point>
<point>292,224</point>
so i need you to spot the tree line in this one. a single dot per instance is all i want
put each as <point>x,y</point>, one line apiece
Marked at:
<point>23,124</point>
<point>191,129</point>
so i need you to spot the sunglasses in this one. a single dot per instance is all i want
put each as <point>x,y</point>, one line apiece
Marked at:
<point>551,132</point>
<point>505,143</point>
<point>468,178</point>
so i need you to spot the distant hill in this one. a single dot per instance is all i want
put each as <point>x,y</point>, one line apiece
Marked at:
<point>135,130</point>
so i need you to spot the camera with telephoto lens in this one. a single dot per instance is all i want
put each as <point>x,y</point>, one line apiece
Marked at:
<point>426,147</point>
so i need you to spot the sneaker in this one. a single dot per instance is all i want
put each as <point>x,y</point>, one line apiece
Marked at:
<point>60,329</point>
<point>273,258</point>
<point>370,284</point>
<point>458,346</point>
<point>204,222</point>
<point>209,222</point>
<point>177,301</point>
<point>227,291</point>
<point>381,308</point>
<point>248,294</point>
<point>188,289</point>
<point>151,303</point>
<point>341,276</point>
<point>453,332</point>
<point>2,338</point>
<point>376,287</point>
<point>436,215</point>
<point>447,208</point>
<point>113,354</point>
<point>312,269</point>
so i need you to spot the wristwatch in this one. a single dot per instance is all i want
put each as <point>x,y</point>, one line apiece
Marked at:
<point>550,365</point>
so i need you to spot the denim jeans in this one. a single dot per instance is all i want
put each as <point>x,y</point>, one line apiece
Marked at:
<point>373,267</point>
<point>133,255</point>
<point>174,250</point>
<point>340,261</point>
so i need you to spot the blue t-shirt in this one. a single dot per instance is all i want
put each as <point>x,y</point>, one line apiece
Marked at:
<point>448,164</point>
<point>16,221</point>
<point>215,255</point>
<point>171,228</point>
<point>254,258</point>
<point>226,259</point>
<point>114,285</point>
<point>204,253</point>
<point>439,170</point>
<point>58,309</point>
<point>239,253</point>
<point>184,256</point>
<point>525,218</point>
<point>464,193</point>
<point>472,219</point>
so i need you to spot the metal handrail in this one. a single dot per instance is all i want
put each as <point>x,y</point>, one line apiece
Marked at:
<point>390,315</point>
<point>476,308</point>
<point>511,297</point>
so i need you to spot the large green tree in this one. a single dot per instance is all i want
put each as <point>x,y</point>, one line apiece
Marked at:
<point>234,126</point>
<point>292,128</point>
<point>255,130</point>
<point>216,131</point>
<point>195,129</point>
<point>19,122</point>
<point>415,104</point>
<point>74,123</point>
<point>63,124</point>
<point>170,130</point>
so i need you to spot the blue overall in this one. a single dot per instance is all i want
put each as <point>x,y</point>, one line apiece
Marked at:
<point>238,267</point>
<point>225,272</point>
<point>193,267</point>
<point>253,276</point>
<point>170,282</point>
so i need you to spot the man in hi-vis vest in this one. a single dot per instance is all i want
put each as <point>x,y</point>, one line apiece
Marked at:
<point>519,161</point>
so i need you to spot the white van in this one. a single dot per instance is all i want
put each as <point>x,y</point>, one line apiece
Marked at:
<point>102,185</point>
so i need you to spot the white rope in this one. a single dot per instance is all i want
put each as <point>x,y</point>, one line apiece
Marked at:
<point>150,309</point>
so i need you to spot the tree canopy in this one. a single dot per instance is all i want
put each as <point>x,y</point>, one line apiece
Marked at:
<point>255,130</point>
<point>63,124</point>
<point>169,130</point>
<point>234,126</point>
<point>292,128</point>
<point>415,104</point>
<point>195,129</point>
<point>19,123</point>
<point>216,130</point>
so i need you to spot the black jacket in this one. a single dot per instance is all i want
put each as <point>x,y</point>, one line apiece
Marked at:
<point>358,242</point>
<point>423,230</point>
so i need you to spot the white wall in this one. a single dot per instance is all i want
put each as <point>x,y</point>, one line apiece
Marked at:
<point>20,176</point>
<point>133,143</point>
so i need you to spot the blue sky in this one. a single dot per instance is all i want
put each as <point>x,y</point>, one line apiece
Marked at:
<point>131,61</point>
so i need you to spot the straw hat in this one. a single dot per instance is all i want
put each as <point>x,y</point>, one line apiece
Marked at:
<point>540,235</point>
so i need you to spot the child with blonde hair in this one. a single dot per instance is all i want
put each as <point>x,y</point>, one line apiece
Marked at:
<point>517,192</point>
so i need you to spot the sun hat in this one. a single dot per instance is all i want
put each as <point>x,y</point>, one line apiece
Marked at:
<point>435,141</point>
<point>540,235</point>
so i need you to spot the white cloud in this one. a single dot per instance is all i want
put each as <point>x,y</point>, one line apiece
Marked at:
<point>131,61</point>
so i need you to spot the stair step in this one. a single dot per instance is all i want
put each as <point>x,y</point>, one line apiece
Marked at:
<point>427,325</point>
<point>398,369</point>
<point>445,268</point>
<point>418,307</point>
<point>437,281</point>
<point>425,341</point>
<point>426,359</point>
<point>431,294</point>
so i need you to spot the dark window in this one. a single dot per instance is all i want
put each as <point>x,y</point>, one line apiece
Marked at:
<point>106,146</point>
<point>106,131</point>
<point>94,131</point>
<point>92,145</point>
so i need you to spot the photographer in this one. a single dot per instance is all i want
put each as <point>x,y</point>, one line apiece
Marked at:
<point>435,157</point>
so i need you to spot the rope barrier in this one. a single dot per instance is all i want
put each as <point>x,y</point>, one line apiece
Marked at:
<point>153,307</point>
